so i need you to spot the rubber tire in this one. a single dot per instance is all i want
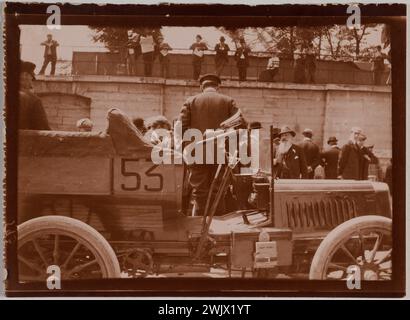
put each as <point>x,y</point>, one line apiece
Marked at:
<point>83,233</point>
<point>339,235</point>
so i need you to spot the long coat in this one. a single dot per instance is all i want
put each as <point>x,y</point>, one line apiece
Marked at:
<point>244,62</point>
<point>312,154</point>
<point>31,112</point>
<point>330,158</point>
<point>350,162</point>
<point>207,110</point>
<point>292,165</point>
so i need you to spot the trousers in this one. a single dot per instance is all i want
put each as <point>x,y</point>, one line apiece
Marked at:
<point>200,180</point>
<point>47,60</point>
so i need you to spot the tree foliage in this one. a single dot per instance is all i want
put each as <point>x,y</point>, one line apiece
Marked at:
<point>115,39</point>
<point>335,42</point>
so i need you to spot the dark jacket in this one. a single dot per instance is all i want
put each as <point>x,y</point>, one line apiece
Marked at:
<point>198,46</point>
<point>330,158</point>
<point>31,112</point>
<point>221,53</point>
<point>378,61</point>
<point>369,164</point>
<point>292,165</point>
<point>245,51</point>
<point>388,178</point>
<point>53,49</point>
<point>350,162</point>
<point>312,153</point>
<point>207,110</point>
<point>310,59</point>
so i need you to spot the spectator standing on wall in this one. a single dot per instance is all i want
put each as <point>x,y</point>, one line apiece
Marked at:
<point>50,54</point>
<point>242,58</point>
<point>388,57</point>
<point>148,51</point>
<point>164,60</point>
<point>310,64</point>
<point>221,56</point>
<point>378,65</point>
<point>198,50</point>
<point>273,66</point>
<point>131,53</point>
<point>299,65</point>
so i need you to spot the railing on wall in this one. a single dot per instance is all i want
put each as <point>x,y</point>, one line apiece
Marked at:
<point>345,70</point>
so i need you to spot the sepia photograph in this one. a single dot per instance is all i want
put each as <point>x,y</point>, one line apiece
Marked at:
<point>150,152</point>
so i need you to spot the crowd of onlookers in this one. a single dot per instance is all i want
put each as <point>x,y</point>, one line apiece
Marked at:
<point>292,160</point>
<point>150,45</point>
<point>354,160</point>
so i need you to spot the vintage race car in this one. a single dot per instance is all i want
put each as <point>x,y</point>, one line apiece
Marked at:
<point>96,206</point>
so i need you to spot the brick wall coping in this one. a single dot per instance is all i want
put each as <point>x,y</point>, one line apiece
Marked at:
<point>56,93</point>
<point>225,83</point>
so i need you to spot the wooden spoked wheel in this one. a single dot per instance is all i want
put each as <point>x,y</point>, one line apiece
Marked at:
<point>362,244</point>
<point>76,248</point>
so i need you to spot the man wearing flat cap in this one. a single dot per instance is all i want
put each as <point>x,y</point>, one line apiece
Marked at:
<point>289,160</point>
<point>330,158</point>
<point>206,110</point>
<point>312,152</point>
<point>350,161</point>
<point>31,112</point>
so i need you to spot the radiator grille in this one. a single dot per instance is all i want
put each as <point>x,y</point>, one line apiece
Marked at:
<point>323,214</point>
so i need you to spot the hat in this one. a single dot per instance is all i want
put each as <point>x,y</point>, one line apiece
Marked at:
<point>222,38</point>
<point>307,131</point>
<point>356,130</point>
<point>198,36</point>
<point>156,120</point>
<point>255,125</point>
<point>331,139</point>
<point>275,132</point>
<point>210,77</point>
<point>26,66</point>
<point>286,129</point>
<point>84,123</point>
<point>362,136</point>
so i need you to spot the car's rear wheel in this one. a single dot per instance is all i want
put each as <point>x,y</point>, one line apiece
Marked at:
<point>361,244</point>
<point>76,248</point>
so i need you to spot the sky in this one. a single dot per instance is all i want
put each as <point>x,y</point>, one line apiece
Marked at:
<point>79,38</point>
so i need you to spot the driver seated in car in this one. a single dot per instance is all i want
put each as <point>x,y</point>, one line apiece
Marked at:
<point>155,133</point>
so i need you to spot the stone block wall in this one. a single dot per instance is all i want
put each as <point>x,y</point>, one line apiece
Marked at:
<point>329,110</point>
